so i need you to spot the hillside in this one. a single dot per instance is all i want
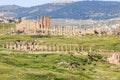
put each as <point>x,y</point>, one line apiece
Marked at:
<point>9,10</point>
<point>40,10</point>
<point>89,10</point>
<point>97,10</point>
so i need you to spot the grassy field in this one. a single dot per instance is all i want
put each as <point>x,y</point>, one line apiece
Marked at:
<point>96,42</point>
<point>6,27</point>
<point>54,67</point>
<point>20,65</point>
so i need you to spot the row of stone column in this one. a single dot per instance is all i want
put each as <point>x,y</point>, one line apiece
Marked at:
<point>46,47</point>
<point>21,45</point>
<point>60,31</point>
<point>67,31</point>
<point>66,47</point>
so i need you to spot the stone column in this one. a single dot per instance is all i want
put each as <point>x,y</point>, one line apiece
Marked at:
<point>50,47</point>
<point>14,46</point>
<point>61,31</point>
<point>82,49</point>
<point>78,47</point>
<point>66,48</point>
<point>7,45</point>
<point>74,48</point>
<point>70,48</point>
<point>3,46</point>
<point>58,49</point>
<point>10,46</point>
<point>90,50</point>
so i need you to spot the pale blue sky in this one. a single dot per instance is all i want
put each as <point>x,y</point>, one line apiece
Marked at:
<point>27,3</point>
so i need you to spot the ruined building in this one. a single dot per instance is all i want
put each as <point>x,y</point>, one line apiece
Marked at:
<point>44,22</point>
<point>114,58</point>
<point>32,26</point>
<point>41,26</point>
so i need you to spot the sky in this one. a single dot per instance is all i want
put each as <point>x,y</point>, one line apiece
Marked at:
<point>28,3</point>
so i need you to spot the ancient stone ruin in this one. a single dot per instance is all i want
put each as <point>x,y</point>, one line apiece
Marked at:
<point>32,26</point>
<point>21,45</point>
<point>41,26</point>
<point>114,58</point>
<point>46,48</point>
<point>44,22</point>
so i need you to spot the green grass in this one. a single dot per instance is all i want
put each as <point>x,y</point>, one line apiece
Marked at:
<point>45,67</point>
<point>96,42</point>
<point>6,27</point>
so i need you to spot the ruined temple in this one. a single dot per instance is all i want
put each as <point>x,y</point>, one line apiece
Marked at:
<point>32,26</point>
<point>44,21</point>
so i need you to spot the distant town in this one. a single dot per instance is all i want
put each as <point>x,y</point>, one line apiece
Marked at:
<point>4,19</point>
